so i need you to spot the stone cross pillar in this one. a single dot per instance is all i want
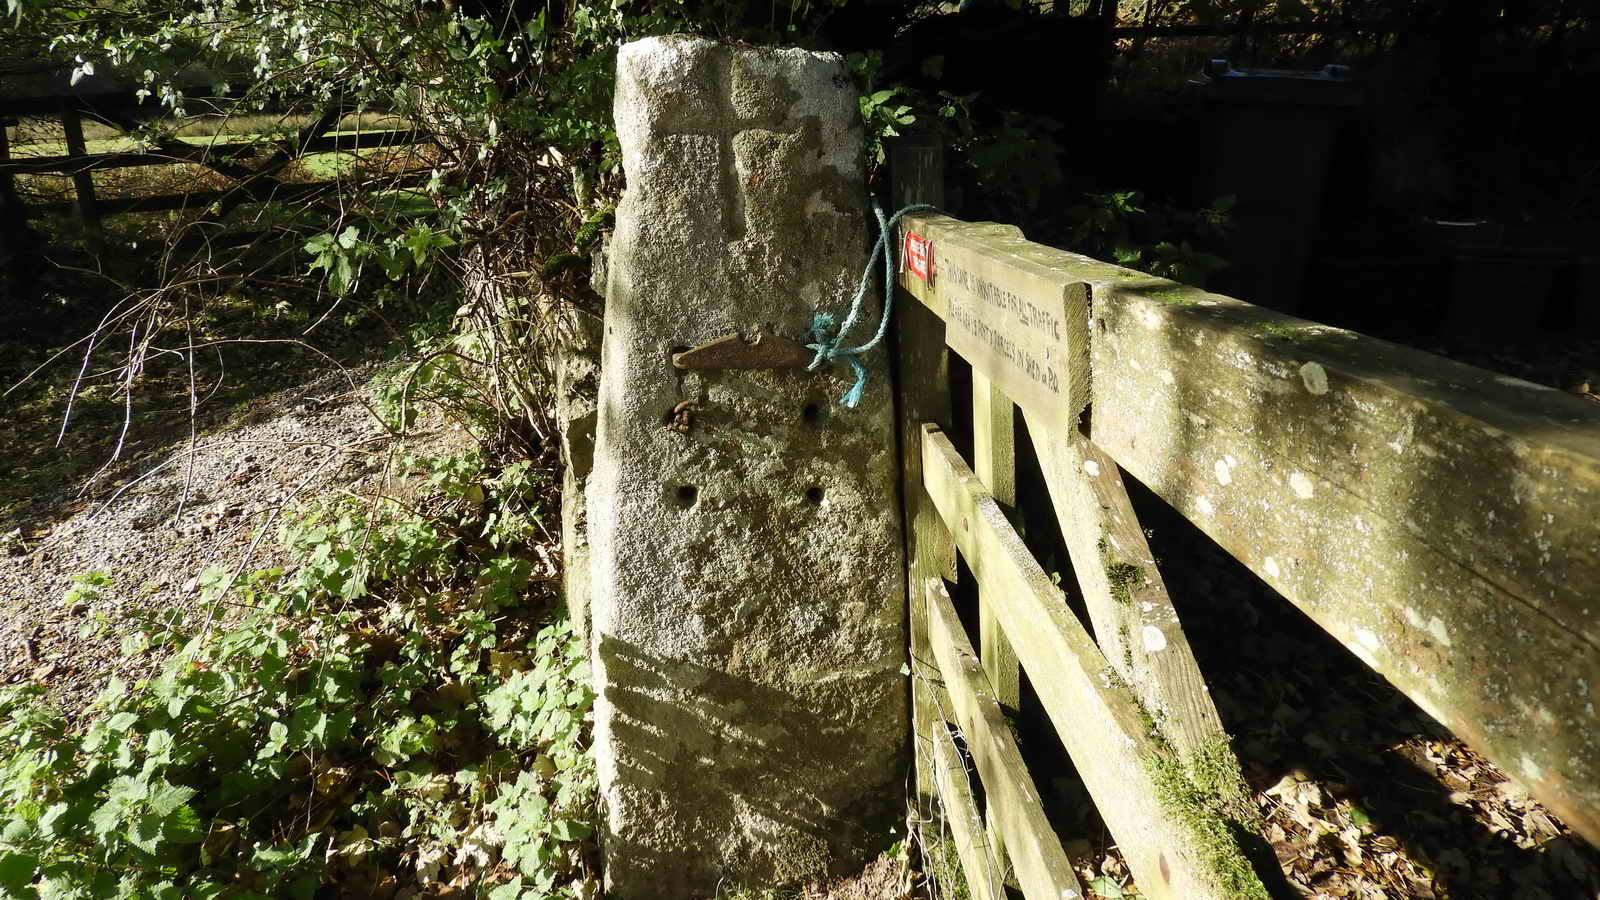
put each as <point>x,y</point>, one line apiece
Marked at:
<point>748,597</point>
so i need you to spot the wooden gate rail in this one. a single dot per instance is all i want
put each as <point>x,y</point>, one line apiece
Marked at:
<point>984,878</point>
<point>1015,809</point>
<point>1440,521</point>
<point>1134,620</point>
<point>254,183</point>
<point>220,150</point>
<point>1094,711</point>
<point>293,192</point>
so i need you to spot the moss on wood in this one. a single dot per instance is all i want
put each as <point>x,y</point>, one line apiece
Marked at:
<point>1122,576</point>
<point>1206,793</point>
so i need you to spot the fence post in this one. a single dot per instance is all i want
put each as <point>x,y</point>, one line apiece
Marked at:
<point>18,243</point>
<point>922,391</point>
<point>82,180</point>
<point>7,180</point>
<point>10,213</point>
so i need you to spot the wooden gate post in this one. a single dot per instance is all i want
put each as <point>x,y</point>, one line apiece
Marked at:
<point>994,452</point>
<point>922,379</point>
<point>10,208</point>
<point>17,271</point>
<point>82,180</point>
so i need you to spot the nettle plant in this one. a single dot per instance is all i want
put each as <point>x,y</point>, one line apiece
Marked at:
<point>401,705</point>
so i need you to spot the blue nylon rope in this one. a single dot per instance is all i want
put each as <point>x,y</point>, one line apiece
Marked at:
<point>822,324</point>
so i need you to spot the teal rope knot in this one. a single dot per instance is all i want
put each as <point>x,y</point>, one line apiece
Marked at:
<point>827,341</point>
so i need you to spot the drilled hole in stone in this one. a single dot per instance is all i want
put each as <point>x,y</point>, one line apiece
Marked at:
<point>812,413</point>
<point>814,496</point>
<point>687,494</point>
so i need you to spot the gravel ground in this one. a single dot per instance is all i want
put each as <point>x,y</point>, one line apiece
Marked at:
<point>152,530</point>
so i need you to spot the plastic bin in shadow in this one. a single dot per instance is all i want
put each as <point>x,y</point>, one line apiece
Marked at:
<point>1503,278</point>
<point>1274,138</point>
<point>1586,302</point>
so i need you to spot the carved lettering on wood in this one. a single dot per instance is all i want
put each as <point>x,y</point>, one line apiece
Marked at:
<point>1024,329</point>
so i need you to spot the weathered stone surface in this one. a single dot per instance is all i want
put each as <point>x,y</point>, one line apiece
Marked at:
<point>577,368</point>
<point>749,607</point>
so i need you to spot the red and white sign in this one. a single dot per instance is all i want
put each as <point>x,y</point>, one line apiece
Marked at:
<point>918,255</point>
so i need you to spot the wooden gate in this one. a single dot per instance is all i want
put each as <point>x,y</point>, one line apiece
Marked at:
<point>252,182</point>
<point>1440,521</point>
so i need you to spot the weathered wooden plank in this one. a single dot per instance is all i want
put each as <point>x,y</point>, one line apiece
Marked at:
<point>13,221</point>
<point>93,162</point>
<point>922,394</point>
<point>82,182</point>
<point>196,199</point>
<point>994,458</point>
<point>982,863</point>
<point>1021,322</point>
<point>1175,849</point>
<point>1042,867</point>
<point>978,857</point>
<point>1135,623</point>
<point>1438,519</point>
<point>7,183</point>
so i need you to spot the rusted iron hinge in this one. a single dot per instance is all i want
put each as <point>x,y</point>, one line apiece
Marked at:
<point>763,351</point>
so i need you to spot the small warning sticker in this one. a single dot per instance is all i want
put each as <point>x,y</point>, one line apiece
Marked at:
<point>918,255</point>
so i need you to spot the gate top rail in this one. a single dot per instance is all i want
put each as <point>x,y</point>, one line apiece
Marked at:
<point>1439,520</point>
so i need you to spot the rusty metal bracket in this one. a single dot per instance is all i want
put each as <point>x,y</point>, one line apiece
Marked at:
<point>763,351</point>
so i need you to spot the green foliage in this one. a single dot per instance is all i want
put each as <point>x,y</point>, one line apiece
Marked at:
<point>883,110</point>
<point>341,257</point>
<point>1107,887</point>
<point>1120,574</point>
<point>1017,164</point>
<point>373,709</point>
<point>1157,238</point>
<point>512,105</point>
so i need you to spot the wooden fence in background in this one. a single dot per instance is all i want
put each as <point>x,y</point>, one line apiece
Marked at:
<point>256,181</point>
<point>1438,520</point>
